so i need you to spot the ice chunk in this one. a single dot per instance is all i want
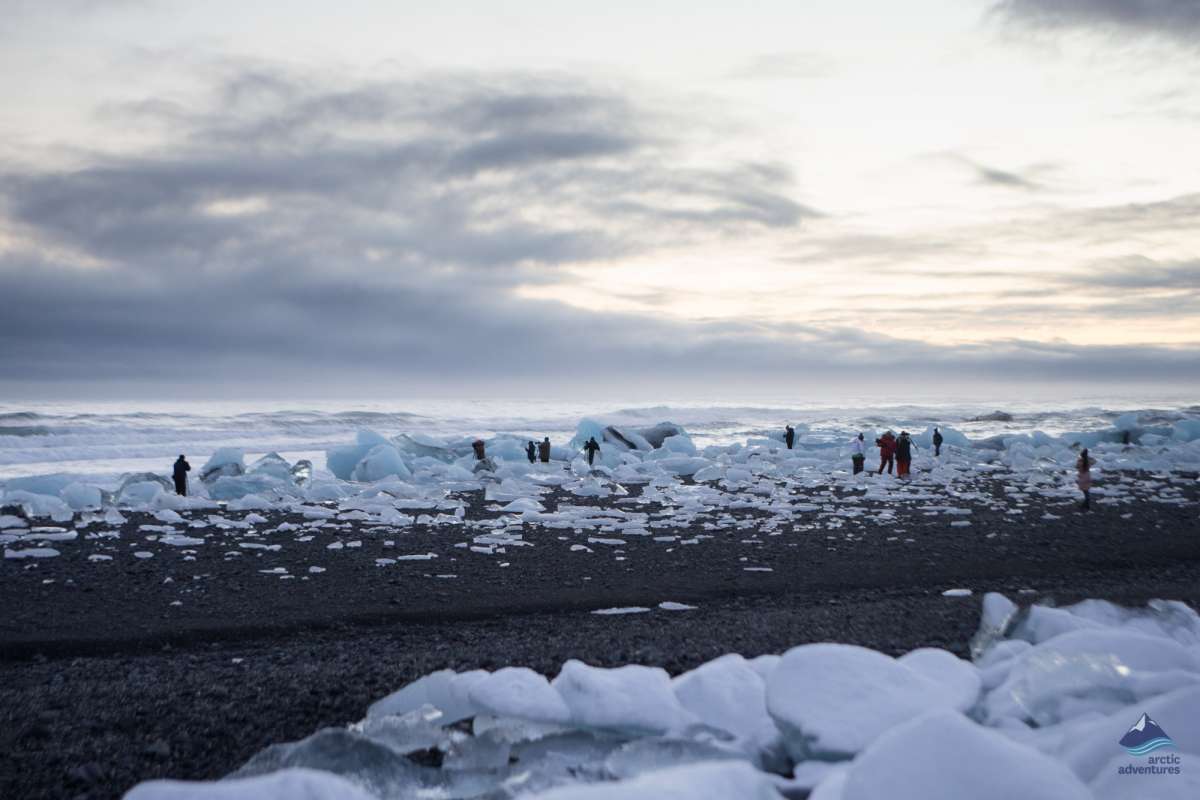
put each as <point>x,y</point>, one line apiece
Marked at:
<point>712,780</point>
<point>654,753</point>
<point>630,699</point>
<point>82,497</point>
<point>944,756</point>
<point>381,461</point>
<point>224,461</point>
<point>445,690</point>
<point>998,614</point>
<point>727,694</point>
<point>39,505</point>
<point>31,552</point>
<point>371,765</point>
<point>286,784</point>
<point>519,692</point>
<point>959,678</point>
<point>342,461</point>
<point>142,493</point>
<point>832,700</point>
<point>1089,670</point>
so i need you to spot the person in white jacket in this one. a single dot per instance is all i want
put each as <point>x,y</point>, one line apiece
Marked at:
<point>858,453</point>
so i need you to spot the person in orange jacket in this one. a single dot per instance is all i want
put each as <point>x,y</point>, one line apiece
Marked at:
<point>887,451</point>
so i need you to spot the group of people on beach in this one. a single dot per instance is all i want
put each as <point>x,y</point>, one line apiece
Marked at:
<point>536,452</point>
<point>893,452</point>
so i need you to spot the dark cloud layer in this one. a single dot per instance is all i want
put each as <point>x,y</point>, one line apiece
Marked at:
<point>1176,19</point>
<point>345,236</point>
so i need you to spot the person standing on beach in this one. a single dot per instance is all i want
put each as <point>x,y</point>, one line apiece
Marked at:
<point>544,450</point>
<point>887,451</point>
<point>903,455</point>
<point>591,448</point>
<point>479,447</point>
<point>789,436</point>
<point>531,452</point>
<point>937,442</point>
<point>182,468</point>
<point>858,453</point>
<point>1083,479</point>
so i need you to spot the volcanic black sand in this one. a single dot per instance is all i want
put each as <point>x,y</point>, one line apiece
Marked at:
<point>103,682</point>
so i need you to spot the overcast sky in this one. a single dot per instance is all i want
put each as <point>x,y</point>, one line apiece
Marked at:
<point>370,195</point>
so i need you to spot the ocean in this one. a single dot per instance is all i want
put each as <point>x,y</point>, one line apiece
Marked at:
<point>99,441</point>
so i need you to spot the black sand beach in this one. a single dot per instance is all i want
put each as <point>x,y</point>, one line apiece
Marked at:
<point>103,682</point>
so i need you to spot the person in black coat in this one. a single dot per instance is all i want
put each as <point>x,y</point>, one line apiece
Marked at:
<point>591,448</point>
<point>531,452</point>
<point>182,468</point>
<point>789,436</point>
<point>937,442</point>
<point>544,450</point>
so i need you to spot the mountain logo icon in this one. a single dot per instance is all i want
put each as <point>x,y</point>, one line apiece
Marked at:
<point>1145,737</point>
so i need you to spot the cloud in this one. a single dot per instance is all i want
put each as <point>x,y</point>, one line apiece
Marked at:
<point>1172,19</point>
<point>325,234</point>
<point>788,65</point>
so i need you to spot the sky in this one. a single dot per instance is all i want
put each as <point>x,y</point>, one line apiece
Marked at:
<point>369,197</point>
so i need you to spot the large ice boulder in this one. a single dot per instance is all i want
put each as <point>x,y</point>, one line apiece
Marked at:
<point>713,780</point>
<point>49,485</point>
<point>727,693</point>
<point>381,461</point>
<point>832,700</point>
<point>1090,670</point>
<point>371,458</point>
<point>632,699</point>
<point>446,690</point>
<point>272,465</point>
<point>224,461</point>
<point>960,679</point>
<point>39,505</point>
<point>286,784</point>
<point>82,497</point>
<point>521,693</point>
<point>944,756</point>
<point>140,494</point>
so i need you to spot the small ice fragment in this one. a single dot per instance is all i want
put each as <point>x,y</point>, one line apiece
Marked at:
<point>622,610</point>
<point>672,606</point>
<point>956,593</point>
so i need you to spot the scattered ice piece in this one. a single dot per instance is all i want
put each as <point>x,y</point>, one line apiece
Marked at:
<point>31,552</point>
<point>417,557</point>
<point>143,554</point>
<point>99,557</point>
<point>757,569</point>
<point>669,605</point>
<point>622,610</point>
<point>316,570</point>
<point>956,593</point>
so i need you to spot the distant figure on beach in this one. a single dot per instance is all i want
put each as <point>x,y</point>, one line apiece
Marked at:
<point>182,468</point>
<point>903,454</point>
<point>887,451</point>
<point>789,436</point>
<point>544,450</point>
<point>937,442</point>
<point>1084,478</point>
<point>478,447</point>
<point>591,448</point>
<point>858,453</point>
<point>531,452</point>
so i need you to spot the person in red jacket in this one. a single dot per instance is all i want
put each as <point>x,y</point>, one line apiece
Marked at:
<point>887,451</point>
